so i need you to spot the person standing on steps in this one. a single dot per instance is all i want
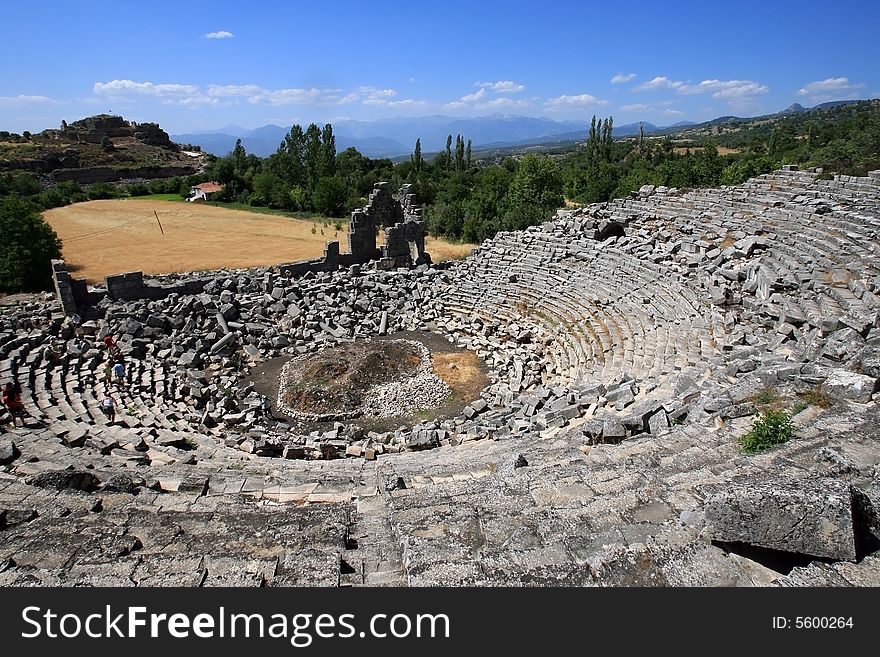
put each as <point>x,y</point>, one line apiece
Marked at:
<point>108,407</point>
<point>12,401</point>
<point>109,342</point>
<point>108,372</point>
<point>119,371</point>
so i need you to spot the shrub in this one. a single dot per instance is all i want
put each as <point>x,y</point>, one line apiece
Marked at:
<point>138,189</point>
<point>101,191</point>
<point>769,429</point>
<point>26,249</point>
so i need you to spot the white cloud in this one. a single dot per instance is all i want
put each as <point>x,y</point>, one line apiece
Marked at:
<point>829,88</point>
<point>474,97</point>
<point>403,102</point>
<point>193,102</point>
<point>501,102</point>
<point>635,107</point>
<point>22,99</point>
<point>725,88</point>
<point>222,34</point>
<point>116,88</point>
<point>673,112</point>
<point>234,90</point>
<point>579,100</point>
<point>736,92</point>
<point>502,86</point>
<point>620,78</point>
<point>193,96</point>
<point>660,82</point>
<point>297,96</point>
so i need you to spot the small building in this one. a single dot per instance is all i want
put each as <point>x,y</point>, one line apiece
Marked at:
<point>204,191</point>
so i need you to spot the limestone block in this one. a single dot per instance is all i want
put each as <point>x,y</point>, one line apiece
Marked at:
<point>817,517</point>
<point>843,384</point>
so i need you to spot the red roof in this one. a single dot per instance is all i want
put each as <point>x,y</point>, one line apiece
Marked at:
<point>209,187</point>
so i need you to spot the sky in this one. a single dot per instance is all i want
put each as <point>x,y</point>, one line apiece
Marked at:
<point>194,66</point>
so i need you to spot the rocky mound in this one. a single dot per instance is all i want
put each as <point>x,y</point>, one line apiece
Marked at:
<point>100,148</point>
<point>381,379</point>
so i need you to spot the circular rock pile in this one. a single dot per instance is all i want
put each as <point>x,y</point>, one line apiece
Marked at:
<point>385,378</point>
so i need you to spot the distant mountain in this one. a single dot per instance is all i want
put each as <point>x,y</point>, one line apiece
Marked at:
<point>794,108</point>
<point>836,103</point>
<point>397,136</point>
<point>797,108</point>
<point>630,129</point>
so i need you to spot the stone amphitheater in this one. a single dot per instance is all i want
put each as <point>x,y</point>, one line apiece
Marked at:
<point>628,347</point>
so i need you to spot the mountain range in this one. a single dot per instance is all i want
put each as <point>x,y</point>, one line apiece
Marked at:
<point>396,137</point>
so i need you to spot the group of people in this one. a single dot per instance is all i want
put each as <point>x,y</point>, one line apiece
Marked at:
<point>114,370</point>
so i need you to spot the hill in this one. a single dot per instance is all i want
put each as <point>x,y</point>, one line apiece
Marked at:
<point>100,148</point>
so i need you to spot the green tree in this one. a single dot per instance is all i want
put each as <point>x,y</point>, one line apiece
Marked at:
<point>459,153</point>
<point>312,155</point>
<point>327,159</point>
<point>467,155</point>
<point>416,158</point>
<point>536,182</point>
<point>329,196</point>
<point>448,151</point>
<point>290,157</point>
<point>27,248</point>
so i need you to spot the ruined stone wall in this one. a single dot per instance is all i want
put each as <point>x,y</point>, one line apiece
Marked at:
<point>362,236</point>
<point>90,175</point>
<point>66,288</point>
<point>131,286</point>
<point>331,261</point>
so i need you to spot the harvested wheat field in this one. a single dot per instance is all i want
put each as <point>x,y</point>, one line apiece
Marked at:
<point>115,236</point>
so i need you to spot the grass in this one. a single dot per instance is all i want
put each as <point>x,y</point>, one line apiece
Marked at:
<point>156,197</point>
<point>767,398</point>
<point>815,397</point>
<point>769,429</point>
<point>305,216</point>
<point>117,235</point>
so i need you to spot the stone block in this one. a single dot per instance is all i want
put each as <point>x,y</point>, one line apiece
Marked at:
<point>824,518</point>
<point>843,384</point>
<point>8,452</point>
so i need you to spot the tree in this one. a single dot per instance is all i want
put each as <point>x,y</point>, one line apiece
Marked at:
<point>416,158</point>
<point>313,155</point>
<point>467,155</point>
<point>28,246</point>
<point>536,182</point>
<point>329,196</point>
<point>459,153</point>
<point>327,156</point>
<point>290,158</point>
<point>448,151</point>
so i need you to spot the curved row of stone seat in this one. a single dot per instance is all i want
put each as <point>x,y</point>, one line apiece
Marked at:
<point>599,308</point>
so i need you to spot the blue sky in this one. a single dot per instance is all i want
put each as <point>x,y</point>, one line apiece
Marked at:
<point>195,66</point>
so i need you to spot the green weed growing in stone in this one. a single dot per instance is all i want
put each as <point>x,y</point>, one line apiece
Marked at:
<point>769,429</point>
